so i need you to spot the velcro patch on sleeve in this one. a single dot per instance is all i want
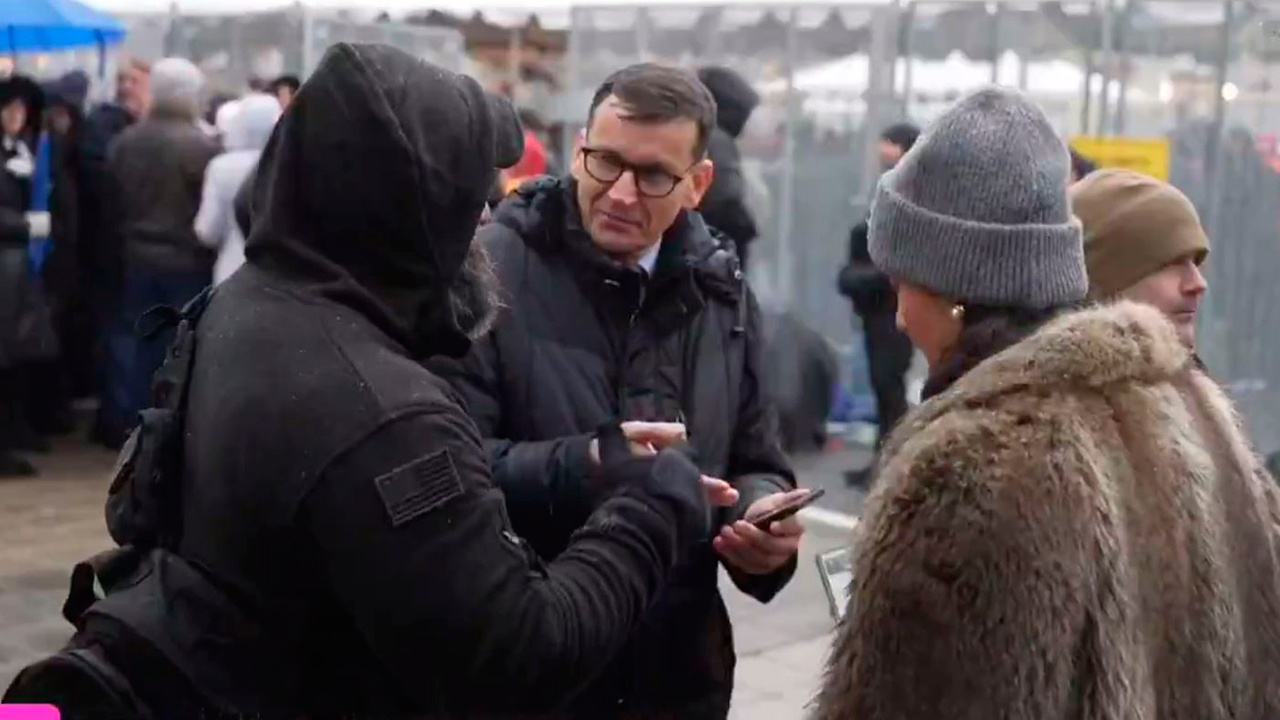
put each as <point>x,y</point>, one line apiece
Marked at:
<point>419,487</point>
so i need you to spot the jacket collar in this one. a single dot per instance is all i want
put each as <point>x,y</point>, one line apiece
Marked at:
<point>544,213</point>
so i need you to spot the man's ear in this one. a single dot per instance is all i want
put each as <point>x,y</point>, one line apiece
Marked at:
<point>700,178</point>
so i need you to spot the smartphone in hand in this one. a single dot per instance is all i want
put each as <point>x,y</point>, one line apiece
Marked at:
<point>788,509</point>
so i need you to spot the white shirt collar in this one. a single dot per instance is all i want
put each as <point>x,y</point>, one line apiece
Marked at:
<point>649,258</point>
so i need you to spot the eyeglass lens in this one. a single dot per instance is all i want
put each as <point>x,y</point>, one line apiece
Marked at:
<point>650,182</point>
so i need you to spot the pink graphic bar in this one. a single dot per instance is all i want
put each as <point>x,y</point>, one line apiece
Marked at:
<point>29,712</point>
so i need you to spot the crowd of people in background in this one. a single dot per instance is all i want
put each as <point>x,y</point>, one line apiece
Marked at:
<point>104,213</point>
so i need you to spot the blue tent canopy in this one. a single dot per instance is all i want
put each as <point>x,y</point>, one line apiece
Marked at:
<point>49,25</point>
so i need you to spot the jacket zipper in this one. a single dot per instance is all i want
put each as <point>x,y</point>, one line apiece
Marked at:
<point>624,359</point>
<point>632,683</point>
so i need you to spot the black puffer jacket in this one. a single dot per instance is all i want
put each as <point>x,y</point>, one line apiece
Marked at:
<point>100,238</point>
<point>354,558</point>
<point>584,341</point>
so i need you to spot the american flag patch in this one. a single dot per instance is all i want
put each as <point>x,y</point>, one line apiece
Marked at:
<point>419,487</point>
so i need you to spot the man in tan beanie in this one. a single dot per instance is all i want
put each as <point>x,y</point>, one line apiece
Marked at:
<point>1142,241</point>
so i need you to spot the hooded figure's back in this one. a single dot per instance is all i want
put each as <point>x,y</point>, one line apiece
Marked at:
<point>332,486</point>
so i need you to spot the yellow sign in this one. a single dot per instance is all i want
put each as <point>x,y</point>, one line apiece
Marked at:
<point>1149,156</point>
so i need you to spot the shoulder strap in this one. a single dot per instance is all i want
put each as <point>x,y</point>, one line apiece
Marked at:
<point>144,504</point>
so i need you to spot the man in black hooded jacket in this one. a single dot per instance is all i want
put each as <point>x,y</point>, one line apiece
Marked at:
<point>355,557</point>
<point>724,207</point>
<point>622,305</point>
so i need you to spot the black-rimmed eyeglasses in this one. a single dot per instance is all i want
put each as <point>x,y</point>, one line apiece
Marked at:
<point>607,167</point>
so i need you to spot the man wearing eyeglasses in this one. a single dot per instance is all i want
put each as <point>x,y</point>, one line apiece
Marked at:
<point>621,305</point>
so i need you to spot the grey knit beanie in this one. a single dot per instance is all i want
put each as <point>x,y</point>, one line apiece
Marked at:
<point>978,212</point>
<point>176,85</point>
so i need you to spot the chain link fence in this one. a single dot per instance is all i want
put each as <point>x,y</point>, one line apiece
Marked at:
<point>1196,74</point>
<point>231,49</point>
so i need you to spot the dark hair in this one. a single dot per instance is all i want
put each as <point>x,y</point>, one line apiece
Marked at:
<point>902,134</point>
<point>290,81</point>
<point>1081,165</point>
<point>655,93</point>
<point>215,103</point>
<point>986,331</point>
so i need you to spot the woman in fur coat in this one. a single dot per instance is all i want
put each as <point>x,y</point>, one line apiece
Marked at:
<point>1072,525</point>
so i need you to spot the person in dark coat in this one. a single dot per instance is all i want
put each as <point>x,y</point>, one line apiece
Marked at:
<point>54,383</point>
<point>100,243</point>
<point>335,487</point>
<point>621,305</point>
<point>157,172</point>
<point>724,207</point>
<point>889,351</point>
<point>21,102</point>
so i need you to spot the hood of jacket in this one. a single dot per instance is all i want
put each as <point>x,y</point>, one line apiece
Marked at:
<point>370,188</point>
<point>250,123</point>
<point>735,98</point>
<point>544,212</point>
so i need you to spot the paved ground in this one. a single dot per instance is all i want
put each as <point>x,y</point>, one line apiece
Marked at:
<point>49,523</point>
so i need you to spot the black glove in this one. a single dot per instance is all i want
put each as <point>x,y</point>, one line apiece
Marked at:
<point>668,481</point>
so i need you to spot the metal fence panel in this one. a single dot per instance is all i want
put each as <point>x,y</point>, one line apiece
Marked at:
<point>1241,336</point>
<point>233,48</point>
<point>1200,74</point>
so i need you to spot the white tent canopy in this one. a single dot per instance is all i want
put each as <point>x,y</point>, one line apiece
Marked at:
<point>846,78</point>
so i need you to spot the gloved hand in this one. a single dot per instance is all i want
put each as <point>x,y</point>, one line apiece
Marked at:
<point>668,480</point>
<point>40,224</point>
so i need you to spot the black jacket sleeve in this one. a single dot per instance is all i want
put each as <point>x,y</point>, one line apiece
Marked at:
<point>757,464</point>
<point>724,206</point>
<point>539,478</point>
<point>96,235</point>
<point>420,553</point>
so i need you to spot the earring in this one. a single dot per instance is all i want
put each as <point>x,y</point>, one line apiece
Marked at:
<point>957,311</point>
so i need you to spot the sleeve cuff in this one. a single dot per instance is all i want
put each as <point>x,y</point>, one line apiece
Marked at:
<point>764,587</point>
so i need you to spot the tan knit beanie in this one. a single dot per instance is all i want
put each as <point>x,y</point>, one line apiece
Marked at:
<point>1134,225</point>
